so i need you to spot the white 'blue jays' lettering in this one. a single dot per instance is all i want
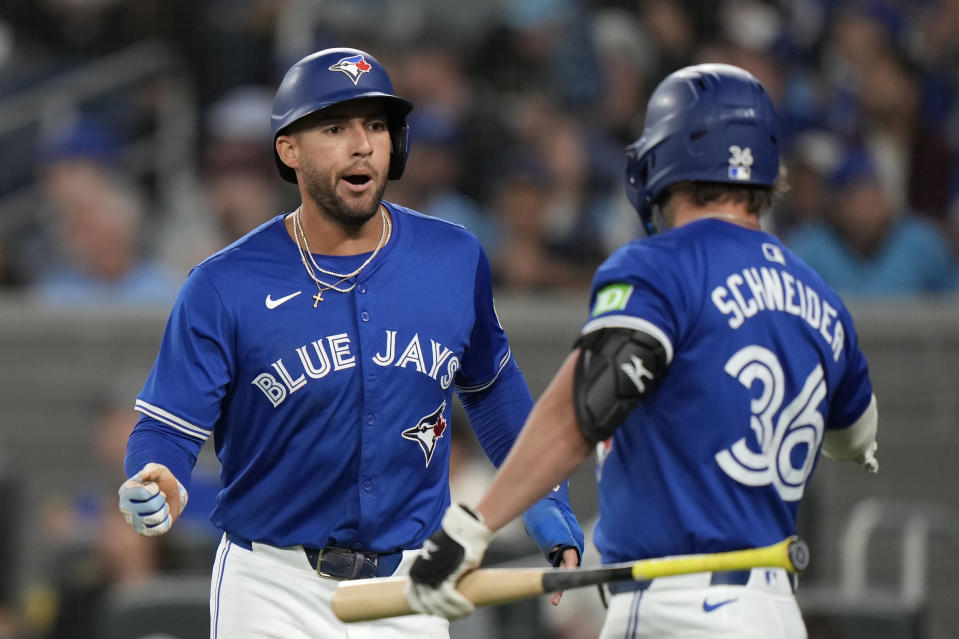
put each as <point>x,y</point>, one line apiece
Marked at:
<point>277,387</point>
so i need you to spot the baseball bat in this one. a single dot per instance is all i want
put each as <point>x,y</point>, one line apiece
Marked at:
<point>369,599</point>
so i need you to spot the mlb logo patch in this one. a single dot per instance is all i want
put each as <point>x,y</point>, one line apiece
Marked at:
<point>740,163</point>
<point>353,66</point>
<point>773,253</point>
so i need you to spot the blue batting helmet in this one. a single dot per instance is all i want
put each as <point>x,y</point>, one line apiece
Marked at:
<point>332,76</point>
<point>704,123</point>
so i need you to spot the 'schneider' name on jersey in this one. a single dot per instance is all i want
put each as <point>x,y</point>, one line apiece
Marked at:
<point>316,363</point>
<point>752,290</point>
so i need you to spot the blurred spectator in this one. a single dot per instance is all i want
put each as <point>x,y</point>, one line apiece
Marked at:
<point>543,46</point>
<point>92,549</point>
<point>882,97</point>
<point>118,556</point>
<point>97,222</point>
<point>811,159</point>
<point>526,260</point>
<point>432,172</point>
<point>11,523</point>
<point>672,25</point>
<point>65,31</point>
<point>855,33</point>
<point>235,189</point>
<point>584,181</point>
<point>238,174</point>
<point>433,76</point>
<point>914,159</point>
<point>72,518</point>
<point>10,273</point>
<point>626,60</point>
<point>865,248</point>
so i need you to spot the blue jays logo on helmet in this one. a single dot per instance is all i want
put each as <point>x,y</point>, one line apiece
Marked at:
<point>428,431</point>
<point>704,123</point>
<point>353,66</point>
<point>315,83</point>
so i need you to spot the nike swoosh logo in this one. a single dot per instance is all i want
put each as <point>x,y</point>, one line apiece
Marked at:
<point>708,607</point>
<point>272,303</point>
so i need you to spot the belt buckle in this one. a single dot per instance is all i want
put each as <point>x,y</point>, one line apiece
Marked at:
<point>341,564</point>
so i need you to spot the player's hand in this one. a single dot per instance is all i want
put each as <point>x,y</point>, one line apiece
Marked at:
<point>450,553</point>
<point>569,559</point>
<point>867,459</point>
<point>152,499</point>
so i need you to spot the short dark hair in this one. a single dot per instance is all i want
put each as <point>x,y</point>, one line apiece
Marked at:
<point>757,198</point>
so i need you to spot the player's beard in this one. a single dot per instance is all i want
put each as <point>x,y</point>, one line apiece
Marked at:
<point>322,190</point>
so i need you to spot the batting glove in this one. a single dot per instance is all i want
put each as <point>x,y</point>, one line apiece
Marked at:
<point>450,553</point>
<point>145,506</point>
<point>867,459</point>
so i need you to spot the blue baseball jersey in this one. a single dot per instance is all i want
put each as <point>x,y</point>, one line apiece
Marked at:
<point>330,419</point>
<point>762,359</point>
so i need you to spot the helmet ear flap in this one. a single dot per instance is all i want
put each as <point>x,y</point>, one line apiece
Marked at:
<point>637,176</point>
<point>399,149</point>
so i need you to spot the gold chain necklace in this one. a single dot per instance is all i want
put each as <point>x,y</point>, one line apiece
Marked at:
<point>306,256</point>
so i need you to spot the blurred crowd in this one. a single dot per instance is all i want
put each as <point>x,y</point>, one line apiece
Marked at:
<point>109,195</point>
<point>523,109</point>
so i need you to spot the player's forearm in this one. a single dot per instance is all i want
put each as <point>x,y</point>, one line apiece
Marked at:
<point>497,414</point>
<point>549,448</point>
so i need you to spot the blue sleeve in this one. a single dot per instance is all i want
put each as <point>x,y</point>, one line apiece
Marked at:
<point>487,354</point>
<point>854,391</point>
<point>180,401</point>
<point>153,441</point>
<point>196,361</point>
<point>634,289</point>
<point>550,523</point>
<point>497,414</point>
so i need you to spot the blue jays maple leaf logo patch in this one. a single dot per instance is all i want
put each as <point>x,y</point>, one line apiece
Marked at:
<point>428,431</point>
<point>353,66</point>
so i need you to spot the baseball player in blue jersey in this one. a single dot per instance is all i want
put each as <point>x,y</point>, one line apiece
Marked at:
<point>321,352</point>
<point>712,370</point>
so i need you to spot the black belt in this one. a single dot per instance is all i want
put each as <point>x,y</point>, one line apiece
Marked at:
<point>726,578</point>
<point>342,563</point>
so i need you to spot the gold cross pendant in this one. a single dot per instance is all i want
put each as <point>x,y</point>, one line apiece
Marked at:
<point>318,297</point>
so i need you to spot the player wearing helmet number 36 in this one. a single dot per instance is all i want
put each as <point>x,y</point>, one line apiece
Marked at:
<point>321,352</point>
<point>713,368</point>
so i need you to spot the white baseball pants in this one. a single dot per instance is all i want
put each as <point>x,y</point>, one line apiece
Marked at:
<point>274,593</point>
<point>687,606</point>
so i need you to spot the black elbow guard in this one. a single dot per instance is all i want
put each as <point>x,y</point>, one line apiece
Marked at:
<point>616,366</point>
